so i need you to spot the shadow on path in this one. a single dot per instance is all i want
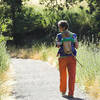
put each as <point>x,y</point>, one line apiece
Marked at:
<point>72,98</point>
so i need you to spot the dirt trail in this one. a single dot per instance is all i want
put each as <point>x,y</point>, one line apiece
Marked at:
<point>38,80</point>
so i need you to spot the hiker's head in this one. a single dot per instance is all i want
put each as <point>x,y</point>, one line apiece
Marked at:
<point>63,25</point>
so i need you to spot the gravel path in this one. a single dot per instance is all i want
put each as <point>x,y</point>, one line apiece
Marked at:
<point>38,80</point>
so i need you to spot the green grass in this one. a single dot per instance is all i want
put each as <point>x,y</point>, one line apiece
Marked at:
<point>4,58</point>
<point>90,58</point>
<point>5,73</point>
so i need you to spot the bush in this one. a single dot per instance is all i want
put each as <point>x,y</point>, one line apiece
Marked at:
<point>35,23</point>
<point>4,58</point>
<point>31,22</point>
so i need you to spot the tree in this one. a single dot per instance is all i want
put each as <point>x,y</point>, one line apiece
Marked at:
<point>15,8</point>
<point>94,6</point>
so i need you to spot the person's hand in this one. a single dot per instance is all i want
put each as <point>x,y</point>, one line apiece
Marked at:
<point>76,45</point>
<point>58,44</point>
<point>57,55</point>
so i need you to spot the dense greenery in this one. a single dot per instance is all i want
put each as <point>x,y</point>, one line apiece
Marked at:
<point>4,57</point>
<point>32,23</point>
<point>5,70</point>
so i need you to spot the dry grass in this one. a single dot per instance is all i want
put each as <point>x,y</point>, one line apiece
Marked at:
<point>6,84</point>
<point>42,53</point>
<point>94,90</point>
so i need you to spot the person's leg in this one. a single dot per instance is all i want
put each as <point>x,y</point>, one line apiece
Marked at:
<point>63,74</point>
<point>72,74</point>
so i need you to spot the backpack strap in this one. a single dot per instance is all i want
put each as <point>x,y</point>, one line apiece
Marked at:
<point>67,39</point>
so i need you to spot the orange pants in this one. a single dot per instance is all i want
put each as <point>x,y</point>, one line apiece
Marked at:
<point>67,64</point>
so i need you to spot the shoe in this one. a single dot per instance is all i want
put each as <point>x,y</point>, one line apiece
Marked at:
<point>63,93</point>
<point>70,96</point>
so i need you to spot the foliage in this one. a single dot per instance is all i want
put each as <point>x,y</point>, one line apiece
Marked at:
<point>5,21</point>
<point>24,22</point>
<point>4,58</point>
<point>94,6</point>
<point>5,71</point>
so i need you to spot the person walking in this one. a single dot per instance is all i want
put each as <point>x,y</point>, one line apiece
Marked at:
<point>67,62</point>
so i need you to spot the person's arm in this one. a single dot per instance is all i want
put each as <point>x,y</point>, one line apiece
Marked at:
<point>76,41</point>
<point>76,44</point>
<point>58,42</point>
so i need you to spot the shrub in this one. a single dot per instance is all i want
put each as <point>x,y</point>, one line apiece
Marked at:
<point>4,57</point>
